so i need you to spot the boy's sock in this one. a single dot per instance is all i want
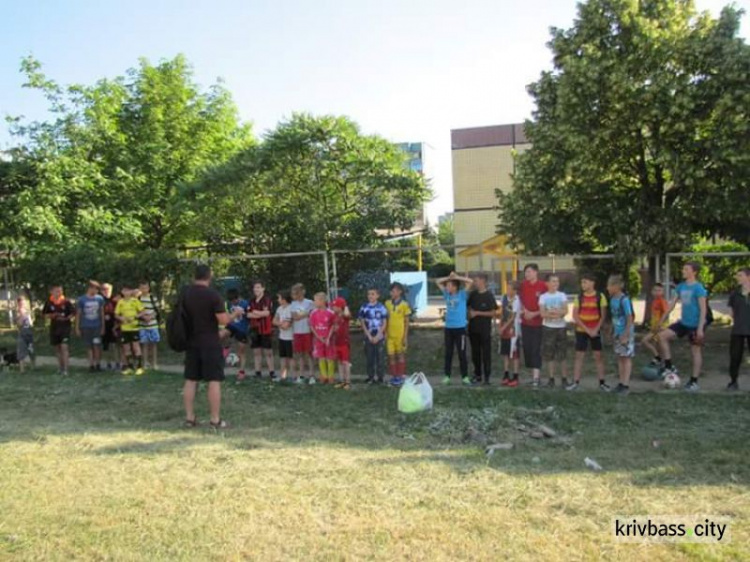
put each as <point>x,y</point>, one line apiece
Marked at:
<point>258,374</point>
<point>693,380</point>
<point>667,363</point>
<point>323,367</point>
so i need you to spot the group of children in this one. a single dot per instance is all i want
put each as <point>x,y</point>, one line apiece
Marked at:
<point>126,325</point>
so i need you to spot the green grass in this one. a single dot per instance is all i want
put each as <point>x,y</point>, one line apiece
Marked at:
<point>96,467</point>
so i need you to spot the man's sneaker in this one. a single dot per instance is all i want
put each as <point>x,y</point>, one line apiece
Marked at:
<point>622,390</point>
<point>733,386</point>
<point>692,387</point>
<point>572,387</point>
<point>551,383</point>
<point>604,387</point>
<point>512,383</point>
<point>446,380</point>
<point>466,381</point>
<point>139,371</point>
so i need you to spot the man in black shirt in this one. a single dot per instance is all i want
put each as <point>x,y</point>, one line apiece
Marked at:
<point>482,310</point>
<point>204,360</point>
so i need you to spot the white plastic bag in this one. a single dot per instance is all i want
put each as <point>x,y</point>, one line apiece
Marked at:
<point>415,395</point>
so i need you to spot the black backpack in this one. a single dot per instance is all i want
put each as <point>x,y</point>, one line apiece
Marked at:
<point>178,326</point>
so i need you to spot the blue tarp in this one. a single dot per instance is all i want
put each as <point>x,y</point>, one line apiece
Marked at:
<point>416,289</point>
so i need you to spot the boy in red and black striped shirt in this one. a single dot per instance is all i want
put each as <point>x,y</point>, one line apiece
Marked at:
<point>260,313</point>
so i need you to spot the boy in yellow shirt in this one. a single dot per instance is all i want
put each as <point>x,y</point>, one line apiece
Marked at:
<point>129,312</point>
<point>397,333</point>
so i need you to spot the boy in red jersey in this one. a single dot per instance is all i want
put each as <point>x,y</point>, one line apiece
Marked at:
<point>531,320</point>
<point>261,325</point>
<point>341,342</point>
<point>321,325</point>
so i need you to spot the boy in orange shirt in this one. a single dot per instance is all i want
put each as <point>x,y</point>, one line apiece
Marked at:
<point>659,318</point>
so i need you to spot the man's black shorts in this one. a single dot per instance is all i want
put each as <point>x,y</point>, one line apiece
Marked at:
<point>130,337</point>
<point>59,335</point>
<point>583,340</point>
<point>204,364</point>
<point>258,341</point>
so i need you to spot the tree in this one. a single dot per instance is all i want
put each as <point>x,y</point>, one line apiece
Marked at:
<point>446,232</point>
<point>108,166</point>
<point>641,134</point>
<point>313,183</point>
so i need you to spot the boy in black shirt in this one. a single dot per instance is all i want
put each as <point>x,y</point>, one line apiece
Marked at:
<point>482,308</point>
<point>60,312</point>
<point>739,310</point>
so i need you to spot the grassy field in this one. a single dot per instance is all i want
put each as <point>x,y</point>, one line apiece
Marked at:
<point>96,467</point>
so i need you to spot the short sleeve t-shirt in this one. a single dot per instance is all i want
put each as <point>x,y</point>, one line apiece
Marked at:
<point>321,322</point>
<point>149,305</point>
<point>129,308</point>
<point>455,309</point>
<point>659,307</point>
<point>374,315</point>
<point>341,326</point>
<point>240,324</point>
<point>529,294</point>
<point>620,309</point>
<point>284,314</point>
<point>63,307</point>
<point>589,311</point>
<point>398,312</point>
<point>481,302</point>
<point>90,312</point>
<point>553,302</point>
<point>202,304</point>
<point>689,294</point>
<point>263,326</point>
<point>740,305</point>
<point>302,326</point>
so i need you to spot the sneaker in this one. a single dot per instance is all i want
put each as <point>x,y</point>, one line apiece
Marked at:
<point>346,386</point>
<point>486,382</point>
<point>92,369</point>
<point>311,381</point>
<point>654,363</point>
<point>299,380</point>
<point>505,381</point>
<point>550,383</point>
<point>109,366</point>
<point>604,387</point>
<point>369,380</point>
<point>664,371</point>
<point>512,383</point>
<point>258,375</point>
<point>466,381</point>
<point>535,384</point>
<point>572,387</point>
<point>241,375</point>
<point>118,366</point>
<point>733,386</point>
<point>564,382</point>
<point>621,390</point>
<point>99,369</point>
<point>127,372</point>
<point>446,380</point>
<point>692,387</point>
<point>339,385</point>
<point>397,381</point>
<point>139,371</point>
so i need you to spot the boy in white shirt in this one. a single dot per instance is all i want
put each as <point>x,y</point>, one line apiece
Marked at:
<point>554,307</point>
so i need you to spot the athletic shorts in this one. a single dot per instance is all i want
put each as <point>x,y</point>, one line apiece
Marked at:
<point>680,330</point>
<point>624,350</point>
<point>237,334</point>
<point>302,343</point>
<point>554,343</point>
<point>583,341</point>
<point>91,336</point>
<point>323,351</point>
<point>261,341</point>
<point>509,347</point>
<point>130,337</point>
<point>395,346</point>
<point>59,335</point>
<point>149,335</point>
<point>343,353</point>
<point>204,364</point>
<point>286,349</point>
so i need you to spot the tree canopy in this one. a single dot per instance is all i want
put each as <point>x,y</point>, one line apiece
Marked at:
<point>640,136</point>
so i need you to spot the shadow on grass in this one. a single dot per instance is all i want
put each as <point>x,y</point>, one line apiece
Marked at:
<point>652,439</point>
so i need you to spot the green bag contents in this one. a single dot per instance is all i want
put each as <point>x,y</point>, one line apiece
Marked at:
<point>415,395</point>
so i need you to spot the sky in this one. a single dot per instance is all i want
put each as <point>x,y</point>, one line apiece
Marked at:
<point>409,71</point>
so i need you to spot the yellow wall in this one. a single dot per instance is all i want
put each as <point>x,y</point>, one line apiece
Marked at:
<point>477,172</point>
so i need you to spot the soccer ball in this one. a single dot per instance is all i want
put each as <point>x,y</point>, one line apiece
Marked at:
<point>671,381</point>
<point>232,360</point>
